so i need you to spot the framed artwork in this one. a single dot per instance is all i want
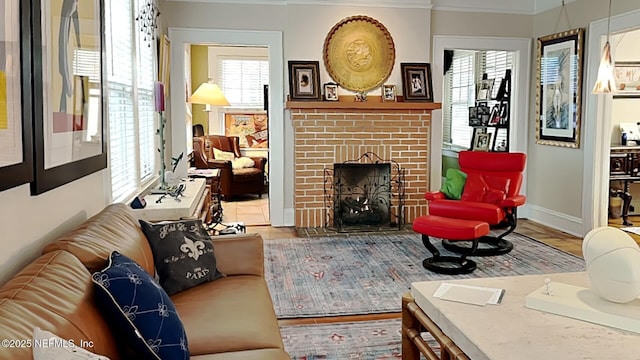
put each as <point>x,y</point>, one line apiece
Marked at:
<point>68,101</point>
<point>331,92</point>
<point>416,81</point>
<point>388,93</point>
<point>559,88</point>
<point>16,144</point>
<point>304,80</point>
<point>163,64</point>
<point>251,128</point>
<point>627,75</point>
<point>481,141</point>
<point>484,89</point>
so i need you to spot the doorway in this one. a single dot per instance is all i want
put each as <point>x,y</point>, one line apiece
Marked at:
<point>180,127</point>
<point>598,129</point>
<point>521,49</point>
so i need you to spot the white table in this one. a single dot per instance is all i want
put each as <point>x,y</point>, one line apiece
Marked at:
<point>190,205</point>
<point>511,331</point>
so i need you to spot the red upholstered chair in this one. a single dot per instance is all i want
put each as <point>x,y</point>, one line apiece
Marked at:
<point>491,194</point>
<point>233,182</point>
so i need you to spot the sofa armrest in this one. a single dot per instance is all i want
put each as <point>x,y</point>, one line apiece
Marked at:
<point>260,162</point>
<point>514,201</point>
<point>434,195</point>
<point>240,254</point>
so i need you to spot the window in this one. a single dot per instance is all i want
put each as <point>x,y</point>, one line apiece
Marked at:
<point>131,116</point>
<point>242,80</point>
<point>466,70</point>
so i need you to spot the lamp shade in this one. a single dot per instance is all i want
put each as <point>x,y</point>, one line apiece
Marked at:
<point>209,94</point>
<point>606,82</point>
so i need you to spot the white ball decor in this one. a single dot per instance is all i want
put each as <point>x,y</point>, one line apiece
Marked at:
<point>613,264</point>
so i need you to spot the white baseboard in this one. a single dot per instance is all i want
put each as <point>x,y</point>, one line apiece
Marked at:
<point>559,221</point>
<point>289,217</point>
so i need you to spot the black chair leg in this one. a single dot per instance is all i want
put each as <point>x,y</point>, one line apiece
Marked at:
<point>450,265</point>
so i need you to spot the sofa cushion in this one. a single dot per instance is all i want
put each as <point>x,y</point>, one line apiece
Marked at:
<point>236,311</point>
<point>140,309</point>
<point>55,347</point>
<point>183,253</point>
<point>262,354</point>
<point>454,184</point>
<point>113,228</point>
<point>55,293</point>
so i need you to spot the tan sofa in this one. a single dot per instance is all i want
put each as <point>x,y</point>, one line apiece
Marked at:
<point>230,318</point>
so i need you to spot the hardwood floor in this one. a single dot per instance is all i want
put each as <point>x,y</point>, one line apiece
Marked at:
<point>555,238</point>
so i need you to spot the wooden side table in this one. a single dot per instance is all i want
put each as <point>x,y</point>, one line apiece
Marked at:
<point>212,177</point>
<point>414,321</point>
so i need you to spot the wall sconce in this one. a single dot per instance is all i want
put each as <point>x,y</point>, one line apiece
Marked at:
<point>606,82</point>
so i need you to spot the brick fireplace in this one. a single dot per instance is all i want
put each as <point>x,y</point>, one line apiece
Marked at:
<point>335,132</point>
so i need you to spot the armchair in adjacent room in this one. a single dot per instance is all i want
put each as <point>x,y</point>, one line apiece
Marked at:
<point>491,194</point>
<point>238,174</point>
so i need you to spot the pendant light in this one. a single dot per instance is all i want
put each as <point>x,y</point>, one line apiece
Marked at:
<point>606,83</point>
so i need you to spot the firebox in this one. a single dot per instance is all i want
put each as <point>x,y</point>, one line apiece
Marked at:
<point>361,194</point>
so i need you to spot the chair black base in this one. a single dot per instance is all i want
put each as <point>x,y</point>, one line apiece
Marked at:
<point>488,246</point>
<point>450,265</point>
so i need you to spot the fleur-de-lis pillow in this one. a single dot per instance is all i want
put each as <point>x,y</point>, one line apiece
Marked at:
<point>182,252</point>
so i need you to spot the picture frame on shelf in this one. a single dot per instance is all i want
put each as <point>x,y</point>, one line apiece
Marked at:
<point>68,123</point>
<point>417,82</point>
<point>481,141</point>
<point>304,80</point>
<point>331,92</point>
<point>559,88</point>
<point>484,89</point>
<point>388,93</point>
<point>16,137</point>
<point>627,77</point>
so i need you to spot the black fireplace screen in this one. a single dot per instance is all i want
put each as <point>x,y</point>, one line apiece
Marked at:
<point>364,195</point>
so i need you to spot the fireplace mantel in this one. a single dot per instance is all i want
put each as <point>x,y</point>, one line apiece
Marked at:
<point>368,105</point>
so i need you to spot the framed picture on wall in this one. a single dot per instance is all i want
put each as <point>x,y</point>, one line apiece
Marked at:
<point>627,75</point>
<point>304,80</point>
<point>68,102</point>
<point>416,81</point>
<point>16,143</point>
<point>559,88</point>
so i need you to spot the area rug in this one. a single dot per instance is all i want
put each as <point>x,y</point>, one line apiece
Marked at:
<point>361,340</point>
<point>368,273</point>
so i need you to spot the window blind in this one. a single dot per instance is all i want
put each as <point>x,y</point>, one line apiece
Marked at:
<point>242,80</point>
<point>460,81</point>
<point>467,69</point>
<point>130,76</point>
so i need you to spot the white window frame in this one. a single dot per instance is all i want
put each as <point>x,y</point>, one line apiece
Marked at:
<point>147,179</point>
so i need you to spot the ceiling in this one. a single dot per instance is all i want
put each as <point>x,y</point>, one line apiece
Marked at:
<point>527,7</point>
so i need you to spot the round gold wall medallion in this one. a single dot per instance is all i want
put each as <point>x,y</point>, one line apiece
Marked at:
<point>359,53</point>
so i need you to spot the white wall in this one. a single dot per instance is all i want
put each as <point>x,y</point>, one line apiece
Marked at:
<point>29,222</point>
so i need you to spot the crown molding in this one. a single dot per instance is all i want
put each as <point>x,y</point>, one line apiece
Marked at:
<point>524,7</point>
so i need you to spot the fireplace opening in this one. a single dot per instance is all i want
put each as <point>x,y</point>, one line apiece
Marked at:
<point>366,194</point>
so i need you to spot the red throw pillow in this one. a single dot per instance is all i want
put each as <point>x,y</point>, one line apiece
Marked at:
<point>474,188</point>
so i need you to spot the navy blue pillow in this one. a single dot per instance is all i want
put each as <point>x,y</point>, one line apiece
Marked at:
<point>141,309</point>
